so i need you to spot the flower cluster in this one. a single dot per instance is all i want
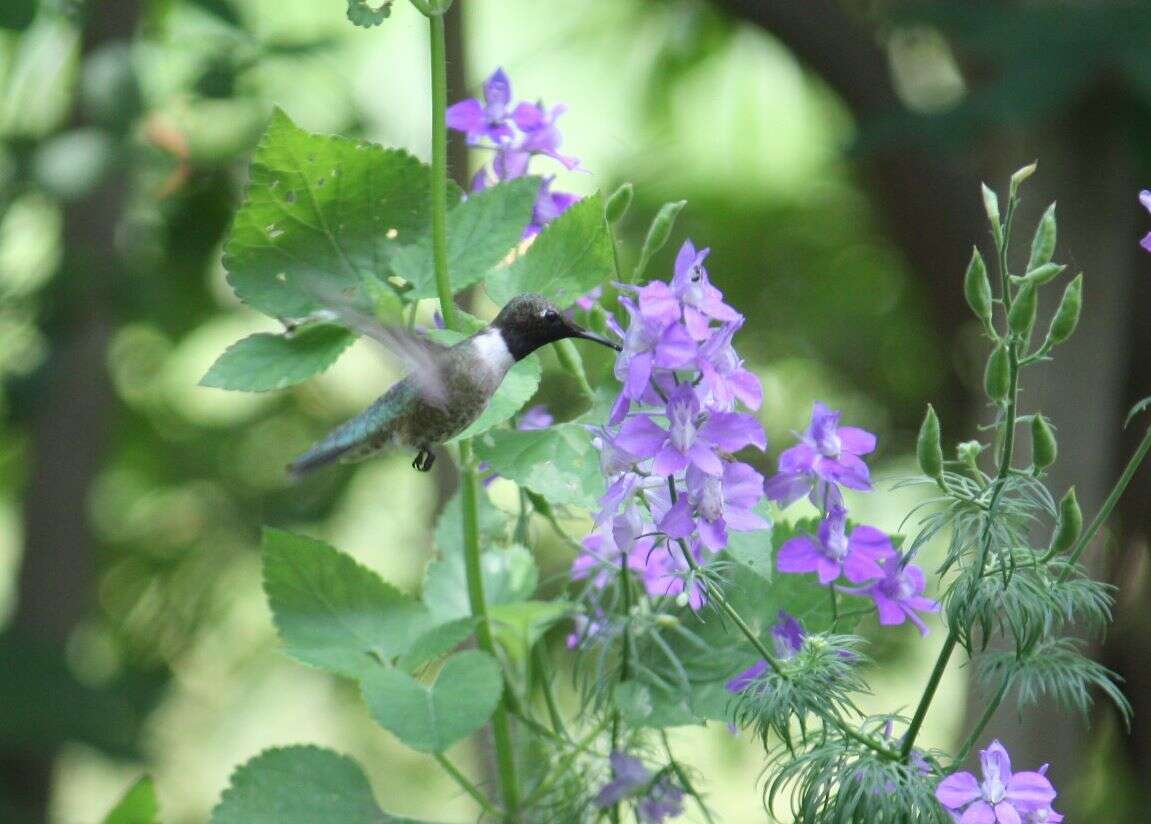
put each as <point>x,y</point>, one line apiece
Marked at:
<point>674,487</point>
<point>655,797</point>
<point>829,456</point>
<point>1003,797</point>
<point>516,132</point>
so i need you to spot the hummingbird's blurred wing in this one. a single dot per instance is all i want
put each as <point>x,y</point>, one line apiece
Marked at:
<point>416,354</point>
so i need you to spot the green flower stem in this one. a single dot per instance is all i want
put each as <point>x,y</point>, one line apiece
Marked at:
<point>1000,481</point>
<point>625,660</point>
<point>466,785</point>
<point>684,780</point>
<point>544,675</point>
<point>440,171</point>
<point>469,484</point>
<point>1109,504</point>
<point>984,720</point>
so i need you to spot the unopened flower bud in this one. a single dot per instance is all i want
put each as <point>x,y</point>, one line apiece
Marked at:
<point>1021,176</point>
<point>1022,315</point>
<point>997,377</point>
<point>1043,243</point>
<point>618,203</point>
<point>1044,448</point>
<point>1070,523</point>
<point>1067,315</point>
<point>657,234</point>
<point>977,288</point>
<point>991,207</point>
<point>928,447</point>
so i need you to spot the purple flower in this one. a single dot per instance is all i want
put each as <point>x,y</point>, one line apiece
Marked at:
<point>1145,199</point>
<point>715,504</point>
<point>535,417</point>
<point>629,776</point>
<point>584,629</point>
<point>665,572</point>
<point>692,437</point>
<point>724,380</point>
<point>549,205</point>
<point>648,344</point>
<point>832,552</point>
<point>488,119</point>
<point>664,800</point>
<point>600,558</point>
<point>1002,797</point>
<point>827,452</point>
<point>787,637</point>
<point>701,301</point>
<point>540,135</point>
<point>588,300</point>
<point>898,595</point>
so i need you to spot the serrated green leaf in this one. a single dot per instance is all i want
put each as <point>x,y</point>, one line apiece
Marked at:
<point>559,462</point>
<point>510,575</point>
<point>567,259</point>
<point>517,388</point>
<point>262,362</point>
<point>138,806</point>
<point>321,212</point>
<point>300,785</point>
<point>432,718</point>
<point>482,230</point>
<point>439,640</point>
<point>333,613</point>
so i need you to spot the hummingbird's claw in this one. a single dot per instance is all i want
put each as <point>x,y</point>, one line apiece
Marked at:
<point>424,460</point>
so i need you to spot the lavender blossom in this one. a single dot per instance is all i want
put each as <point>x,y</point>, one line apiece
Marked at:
<point>666,573</point>
<point>701,301</point>
<point>832,552</point>
<point>655,800</point>
<point>489,119</point>
<point>724,380</point>
<point>1002,797</point>
<point>1145,199</point>
<point>827,452</point>
<point>715,504</point>
<point>787,637</point>
<point>898,595</point>
<point>692,437</point>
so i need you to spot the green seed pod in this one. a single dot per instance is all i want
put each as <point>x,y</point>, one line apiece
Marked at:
<point>1042,274</point>
<point>1067,315</point>
<point>1044,447</point>
<point>977,288</point>
<point>1070,523</point>
<point>618,203</point>
<point>1020,176</point>
<point>657,235</point>
<point>1022,315</point>
<point>1043,242</point>
<point>928,448</point>
<point>997,377</point>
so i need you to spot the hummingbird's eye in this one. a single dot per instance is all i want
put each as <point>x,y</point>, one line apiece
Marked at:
<point>551,316</point>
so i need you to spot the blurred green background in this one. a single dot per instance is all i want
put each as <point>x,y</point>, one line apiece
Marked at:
<point>830,153</point>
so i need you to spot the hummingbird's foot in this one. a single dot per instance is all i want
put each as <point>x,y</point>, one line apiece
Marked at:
<point>424,460</point>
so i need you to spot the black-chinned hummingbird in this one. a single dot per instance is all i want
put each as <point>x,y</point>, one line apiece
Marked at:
<point>447,387</point>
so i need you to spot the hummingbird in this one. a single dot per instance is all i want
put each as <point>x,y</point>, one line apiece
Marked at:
<point>446,388</point>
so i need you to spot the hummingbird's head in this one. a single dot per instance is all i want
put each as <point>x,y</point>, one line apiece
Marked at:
<point>528,322</point>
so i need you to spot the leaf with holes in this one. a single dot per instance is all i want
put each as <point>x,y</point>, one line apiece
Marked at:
<point>265,361</point>
<point>482,230</point>
<point>559,462</point>
<point>572,255</point>
<point>432,718</point>
<point>333,613</point>
<point>320,213</point>
<point>300,785</point>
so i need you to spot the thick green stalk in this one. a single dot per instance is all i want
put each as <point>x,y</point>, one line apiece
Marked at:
<point>1008,450</point>
<point>469,484</point>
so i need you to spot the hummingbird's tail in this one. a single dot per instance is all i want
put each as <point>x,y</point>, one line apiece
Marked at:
<point>317,457</point>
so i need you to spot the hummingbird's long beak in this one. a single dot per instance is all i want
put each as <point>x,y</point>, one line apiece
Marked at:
<point>578,331</point>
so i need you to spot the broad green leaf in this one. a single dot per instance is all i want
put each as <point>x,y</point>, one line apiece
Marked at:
<point>568,258</point>
<point>431,719</point>
<point>559,462</point>
<point>300,785</point>
<point>449,534</point>
<point>333,613</point>
<point>518,626</point>
<point>439,640</point>
<point>265,361</point>
<point>519,385</point>
<point>754,549</point>
<point>138,806</point>
<point>509,575</point>
<point>482,230</point>
<point>321,212</point>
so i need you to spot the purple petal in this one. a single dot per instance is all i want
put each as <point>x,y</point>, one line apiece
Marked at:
<point>828,570</point>
<point>638,374</point>
<point>890,612</point>
<point>678,522</point>
<point>747,388</point>
<point>847,470</point>
<point>641,436</point>
<point>787,487</point>
<point>713,534</point>
<point>855,440</point>
<point>742,681</point>
<point>466,116</point>
<point>798,554</point>
<point>957,790</point>
<point>859,568</point>
<point>1145,199</point>
<point>675,348</point>
<point>1007,814</point>
<point>668,461</point>
<point>685,258</point>
<point>528,116</point>
<point>697,323</point>
<point>978,813</point>
<point>742,485</point>
<point>498,90</point>
<point>799,458</point>
<point>657,303</point>
<point>1146,242</point>
<point>702,456</point>
<point>1029,790</point>
<point>731,431</point>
